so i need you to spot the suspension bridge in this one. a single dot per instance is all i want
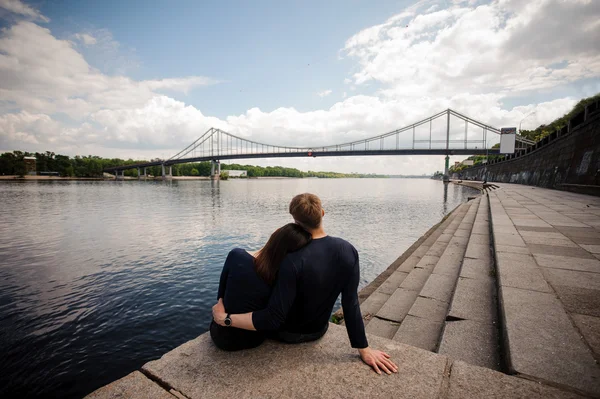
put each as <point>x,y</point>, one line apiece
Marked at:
<point>445,133</point>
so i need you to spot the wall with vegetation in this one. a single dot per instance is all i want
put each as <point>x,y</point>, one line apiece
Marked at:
<point>568,159</point>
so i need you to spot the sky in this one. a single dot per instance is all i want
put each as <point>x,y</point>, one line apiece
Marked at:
<point>142,80</point>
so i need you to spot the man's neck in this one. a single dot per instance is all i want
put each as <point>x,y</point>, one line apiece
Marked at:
<point>318,233</point>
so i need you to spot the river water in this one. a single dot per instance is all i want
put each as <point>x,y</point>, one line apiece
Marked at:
<point>97,278</point>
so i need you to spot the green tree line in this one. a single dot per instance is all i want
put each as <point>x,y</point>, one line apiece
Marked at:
<point>13,163</point>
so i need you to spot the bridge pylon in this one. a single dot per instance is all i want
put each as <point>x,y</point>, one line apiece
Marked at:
<point>215,169</point>
<point>166,176</point>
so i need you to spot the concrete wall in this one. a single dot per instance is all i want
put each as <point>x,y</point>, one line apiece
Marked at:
<point>565,160</point>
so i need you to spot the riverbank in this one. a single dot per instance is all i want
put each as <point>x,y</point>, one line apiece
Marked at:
<point>47,178</point>
<point>509,281</point>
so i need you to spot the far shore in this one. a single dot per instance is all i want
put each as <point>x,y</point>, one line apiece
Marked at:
<point>128,178</point>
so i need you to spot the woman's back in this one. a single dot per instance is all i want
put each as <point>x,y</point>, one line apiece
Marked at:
<point>240,287</point>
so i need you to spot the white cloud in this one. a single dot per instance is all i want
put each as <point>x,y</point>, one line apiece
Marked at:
<point>505,46</point>
<point>469,58</point>
<point>86,39</point>
<point>22,9</point>
<point>43,74</point>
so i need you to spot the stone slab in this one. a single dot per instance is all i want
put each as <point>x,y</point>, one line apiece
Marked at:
<point>589,327</point>
<point>428,262</point>
<point>409,263</point>
<point>579,300</point>
<point>533,223</point>
<point>507,229</point>
<point>448,265</point>
<point>483,239</point>
<point>471,382</point>
<point>327,368</point>
<point>586,240</point>
<point>513,240</point>
<point>382,328</point>
<point>478,269</point>
<point>429,308</point>
<point>542,342</point>
<point>134,385</point>
<point>437,249</point>
<point>561,242</point>
<point>569,263</point>
<point>373,303</point>
<point>416,279</point>
<point>473,342</point>
<point>511,249</point>
<point>595,249</point>
<point>573,278</point>
<point>554,234</point>
<point>583,232</point>
<point>446,237</point>
<point>418,332</point>
<point>464,232</point>
<point>574,252</point>
<point>477,251</point>
<point>440,287</point>
<point>538,229</point>
<point>392,282</point>
<point>481,228</point>
<point>474,300</point>
<point>520,271</point>
<point>398,305</point>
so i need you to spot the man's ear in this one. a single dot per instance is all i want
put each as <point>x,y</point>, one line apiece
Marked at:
<point>322,212</point>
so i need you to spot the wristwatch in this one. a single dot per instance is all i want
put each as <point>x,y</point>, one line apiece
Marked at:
<point>227,320</point>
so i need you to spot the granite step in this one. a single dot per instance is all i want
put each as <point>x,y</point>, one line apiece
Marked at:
<point>539,336</point>
<point>327,368</point>
<point>387,307</point>
<point>471,326</point>
<point>425,319</point>
<point>374,302</point>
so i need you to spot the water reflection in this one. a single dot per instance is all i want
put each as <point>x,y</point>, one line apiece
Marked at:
<point>99,277</point>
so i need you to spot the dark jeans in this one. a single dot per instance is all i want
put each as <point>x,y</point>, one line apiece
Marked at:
<point>297,338</point>
<point>234,339</point>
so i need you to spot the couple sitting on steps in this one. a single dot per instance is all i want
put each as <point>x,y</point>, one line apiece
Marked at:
<point>287,290</point>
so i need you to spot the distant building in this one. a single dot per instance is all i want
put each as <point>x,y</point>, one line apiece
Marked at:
<point>236,173</point>
<point>30,165</point>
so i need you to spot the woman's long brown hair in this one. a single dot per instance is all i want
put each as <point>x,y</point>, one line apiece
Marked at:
<point>284,240</point>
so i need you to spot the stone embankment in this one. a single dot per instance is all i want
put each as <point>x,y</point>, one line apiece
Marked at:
<point>501,299</point>
<point>568,159</point>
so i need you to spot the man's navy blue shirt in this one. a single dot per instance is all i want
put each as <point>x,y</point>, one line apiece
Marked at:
<point>308,284</point>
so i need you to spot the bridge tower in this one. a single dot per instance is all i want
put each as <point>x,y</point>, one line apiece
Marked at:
<point>215,166</point>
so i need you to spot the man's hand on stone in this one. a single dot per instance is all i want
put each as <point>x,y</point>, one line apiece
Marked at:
<point>219,314</point>
<point>378,360</point>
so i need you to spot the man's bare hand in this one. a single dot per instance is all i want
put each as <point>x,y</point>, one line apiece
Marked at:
<point>219,314</point>
<point>378,360</point>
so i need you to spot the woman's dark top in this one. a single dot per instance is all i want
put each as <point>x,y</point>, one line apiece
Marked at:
<point>242,291</point>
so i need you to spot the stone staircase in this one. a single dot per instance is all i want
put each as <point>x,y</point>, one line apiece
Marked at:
<point>411,306</point>
<point>474,291</point>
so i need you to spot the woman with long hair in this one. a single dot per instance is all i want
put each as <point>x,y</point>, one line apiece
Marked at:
<point>246,283</point>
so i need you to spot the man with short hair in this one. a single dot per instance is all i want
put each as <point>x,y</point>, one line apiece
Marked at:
<point>308,284</point>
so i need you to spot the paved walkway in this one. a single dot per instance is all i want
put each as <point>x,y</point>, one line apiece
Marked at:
<point>510,281</point>
<point>547,246</point>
